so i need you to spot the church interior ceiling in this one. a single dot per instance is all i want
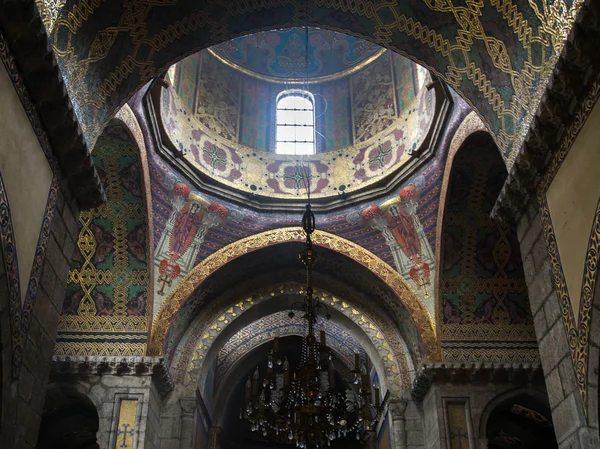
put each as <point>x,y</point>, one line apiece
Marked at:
<point>354,288</point>
<point>485,312</point>
<point>497,55</point>
<point>279,325</point>
<point>205,241</point>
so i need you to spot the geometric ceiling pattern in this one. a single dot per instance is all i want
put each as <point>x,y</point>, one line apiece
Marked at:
<point>496,55</point>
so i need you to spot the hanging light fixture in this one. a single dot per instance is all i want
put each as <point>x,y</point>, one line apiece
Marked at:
<point>306,406</point>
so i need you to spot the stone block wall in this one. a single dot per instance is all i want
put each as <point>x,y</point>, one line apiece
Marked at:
<point>569,418</point>
<point>22,399</point>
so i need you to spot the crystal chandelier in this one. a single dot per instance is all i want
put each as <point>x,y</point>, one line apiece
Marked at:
<point>304,406</point>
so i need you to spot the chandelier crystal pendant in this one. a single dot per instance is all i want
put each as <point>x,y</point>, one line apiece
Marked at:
<point>306,406</point>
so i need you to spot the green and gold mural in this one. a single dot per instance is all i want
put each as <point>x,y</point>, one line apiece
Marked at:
<point>106,310</point>
<point>484,303</point>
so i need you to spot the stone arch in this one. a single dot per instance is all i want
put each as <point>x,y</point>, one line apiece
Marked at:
<point>521,413</point>
<point>209,265</point>
<point>247,363</point>
<point>86,44</point>
<point>70,419</point>
<point>494,402</point>
<point>483,298</point>
<point>470,125</point>
<point>395,367</point>
<point>109,280</point>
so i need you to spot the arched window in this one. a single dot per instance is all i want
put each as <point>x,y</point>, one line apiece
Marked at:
<point>295,122</point>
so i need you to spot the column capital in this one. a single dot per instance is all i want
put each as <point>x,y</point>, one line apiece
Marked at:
<point>188,405</point>
<point>398,408</point>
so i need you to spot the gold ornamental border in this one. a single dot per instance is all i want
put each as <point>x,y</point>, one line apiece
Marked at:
<point>578,332</point>
<point>312,80</point>
<point>169,308</point>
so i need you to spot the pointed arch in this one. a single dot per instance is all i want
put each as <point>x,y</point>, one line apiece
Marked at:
<point>483,299</point>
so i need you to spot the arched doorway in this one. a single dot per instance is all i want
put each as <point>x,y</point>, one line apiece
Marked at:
<point>69,421</point>
<point>519,420</point>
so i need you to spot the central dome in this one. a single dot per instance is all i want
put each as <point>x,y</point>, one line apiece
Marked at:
<point>242,114</point>
<point>280,55</point>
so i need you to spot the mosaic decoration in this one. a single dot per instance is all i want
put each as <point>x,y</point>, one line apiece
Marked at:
<point>485,307</point>
<point>279,176</point>
<point>498,54</point>
<point>399,223</point>
<point>190,219</point>
<point>577,330</point>
<point>390,348</point>
<point>21,309</point>
<point>280,55</point>
<point>279,324</point>
<point>456,418</point>
<point>106,311</point>
<point>126,428</point>
<point>210,264</point>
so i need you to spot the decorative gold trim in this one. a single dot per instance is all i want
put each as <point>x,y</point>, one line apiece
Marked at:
<point>128,119</point>
<point>220,258</point>
<point>388,345</point>
<point>312,80</point>
<point>577,333</point>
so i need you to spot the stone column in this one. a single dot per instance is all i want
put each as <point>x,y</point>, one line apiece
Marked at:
<point>398,409</point>
<point>188,408</point>
<point>483,443</point>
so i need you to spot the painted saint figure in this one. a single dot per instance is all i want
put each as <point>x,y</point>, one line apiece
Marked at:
<point>190,219</point>
<point>398,221</point>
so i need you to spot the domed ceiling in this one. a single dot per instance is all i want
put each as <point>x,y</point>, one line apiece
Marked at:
<point>377,118</point>
<point>280,55</point>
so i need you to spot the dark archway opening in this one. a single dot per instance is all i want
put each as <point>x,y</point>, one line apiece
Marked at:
<point>69,421</point>
<point>521,422</point>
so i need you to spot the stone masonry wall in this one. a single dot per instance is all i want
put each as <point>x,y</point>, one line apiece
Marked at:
<point>477,398</point>
<point>22,399</point>
<point>570,422</point>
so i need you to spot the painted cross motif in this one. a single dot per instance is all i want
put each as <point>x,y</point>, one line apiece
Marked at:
<point>459,437</point>
<point>125,432</point>
<point>298,177</point>
<point>166,282</point>
<point>379,158</point>
<point>216,159</point>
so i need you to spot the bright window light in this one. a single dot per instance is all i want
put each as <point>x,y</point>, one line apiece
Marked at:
<point>295,123</point>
